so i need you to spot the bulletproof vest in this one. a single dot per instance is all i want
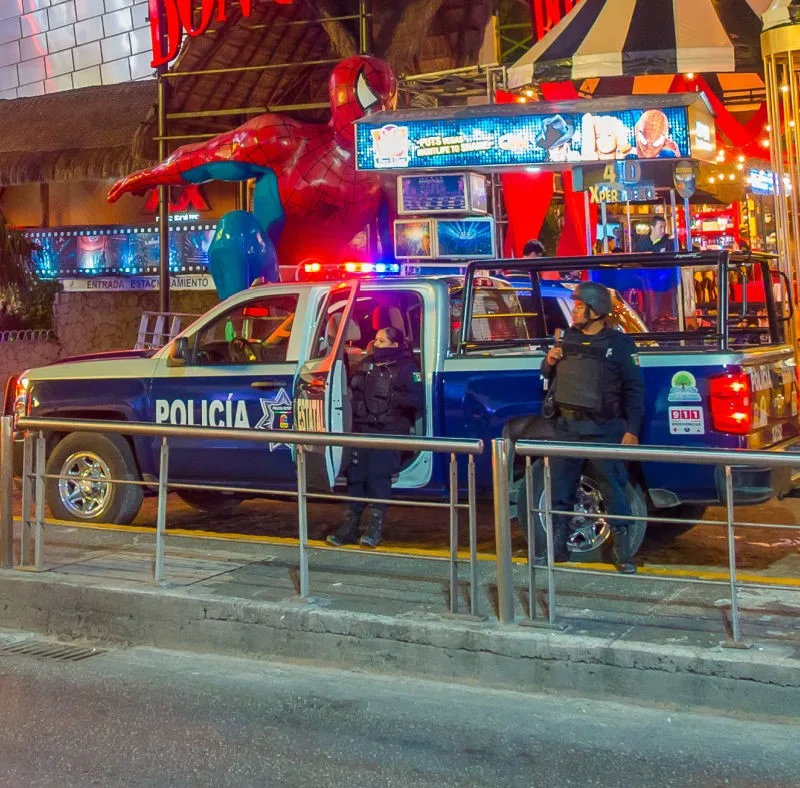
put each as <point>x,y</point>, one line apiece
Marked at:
<point>579,376</point>
<point>378,388</point>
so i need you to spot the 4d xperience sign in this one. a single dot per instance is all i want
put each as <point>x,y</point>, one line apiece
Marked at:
<point>513,135</point>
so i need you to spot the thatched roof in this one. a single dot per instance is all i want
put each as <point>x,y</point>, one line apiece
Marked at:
<point>413,35</point>
<point>77,134</point>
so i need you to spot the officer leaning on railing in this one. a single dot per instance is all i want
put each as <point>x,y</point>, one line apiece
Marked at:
<point>596,394</point>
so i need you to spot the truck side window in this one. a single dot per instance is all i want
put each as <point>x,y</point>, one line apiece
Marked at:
<point>257,332</point>
<point>554,316</point>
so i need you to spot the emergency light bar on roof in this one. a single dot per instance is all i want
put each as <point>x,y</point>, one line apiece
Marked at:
<point>541,134</point>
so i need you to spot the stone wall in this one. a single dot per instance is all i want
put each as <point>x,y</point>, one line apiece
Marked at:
<point>96,322</point>
<point>93,323</point>
<point>18,356</point>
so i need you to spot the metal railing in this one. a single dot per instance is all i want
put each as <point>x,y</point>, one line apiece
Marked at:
<point>34,478</point>
<point>29,335</point>
<point>546,450</point>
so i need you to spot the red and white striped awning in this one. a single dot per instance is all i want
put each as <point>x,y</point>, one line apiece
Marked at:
<point>611,38</point>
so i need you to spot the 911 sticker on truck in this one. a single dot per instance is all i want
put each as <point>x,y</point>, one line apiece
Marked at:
<point>686,420</point>
<point>230,413</point>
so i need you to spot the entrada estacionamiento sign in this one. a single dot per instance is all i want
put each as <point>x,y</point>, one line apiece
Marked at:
<point>178,18</point>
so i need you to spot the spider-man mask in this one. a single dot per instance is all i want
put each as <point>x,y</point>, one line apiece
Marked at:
<point>359,86</point>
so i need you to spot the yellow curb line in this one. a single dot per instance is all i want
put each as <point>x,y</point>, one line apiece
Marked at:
<point>421,552</point>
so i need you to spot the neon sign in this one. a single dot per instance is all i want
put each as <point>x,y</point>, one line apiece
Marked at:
<point>178,18</point>
<point>510,136</point>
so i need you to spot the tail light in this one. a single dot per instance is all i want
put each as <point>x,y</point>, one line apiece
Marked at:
<point>730,395</point>
<point>10,396</point>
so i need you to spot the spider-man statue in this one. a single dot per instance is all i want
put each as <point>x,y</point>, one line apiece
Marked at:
<point>308,198</point>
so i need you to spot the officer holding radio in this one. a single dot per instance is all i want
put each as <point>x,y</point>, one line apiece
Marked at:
<point>596,394</point>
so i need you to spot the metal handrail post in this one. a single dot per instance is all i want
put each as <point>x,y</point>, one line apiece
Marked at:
<point>548,533</point>
<point>502,531</point>
<point>6,493</point>
<point>302,519</point>
<point>531,536</point>
<point>729,507</point>
<point>453,535</point>
<point>473,537</point>
<point>161,517</point>
<point>38,530</point>
<point>27,499</point>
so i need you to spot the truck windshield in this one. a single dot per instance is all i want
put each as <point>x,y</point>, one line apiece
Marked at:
<point>688,301</point>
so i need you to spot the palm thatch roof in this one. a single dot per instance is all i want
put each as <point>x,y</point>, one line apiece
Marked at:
<point>78,134</point>
<point>412,35</point>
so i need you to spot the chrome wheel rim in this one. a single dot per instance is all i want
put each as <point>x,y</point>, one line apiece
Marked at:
<point>84,489</point>
<point>586,534</point>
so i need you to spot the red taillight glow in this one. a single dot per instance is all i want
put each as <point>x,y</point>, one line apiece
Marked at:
<point>729,396</point>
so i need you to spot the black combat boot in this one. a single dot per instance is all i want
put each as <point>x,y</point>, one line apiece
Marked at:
<point>621,553</point>
<point>374,533</point>
<point>347,532</point>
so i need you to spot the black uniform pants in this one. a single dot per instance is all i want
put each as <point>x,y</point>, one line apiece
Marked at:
<point>565,473</point>
<point>369,475</point>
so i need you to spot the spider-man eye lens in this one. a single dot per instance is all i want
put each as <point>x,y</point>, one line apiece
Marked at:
<point>366,98</point>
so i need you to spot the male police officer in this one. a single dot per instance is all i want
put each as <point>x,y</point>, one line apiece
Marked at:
<point>598,393</point>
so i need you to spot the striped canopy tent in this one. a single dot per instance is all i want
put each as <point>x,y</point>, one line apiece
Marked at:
<point>627,38</point>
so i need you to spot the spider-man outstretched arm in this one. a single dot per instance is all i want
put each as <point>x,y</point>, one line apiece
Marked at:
<point>261,145</point>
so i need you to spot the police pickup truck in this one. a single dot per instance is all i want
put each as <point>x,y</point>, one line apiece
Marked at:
<point>718,372</point>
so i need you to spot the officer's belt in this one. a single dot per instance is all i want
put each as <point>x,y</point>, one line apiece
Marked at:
<point>575,415</point>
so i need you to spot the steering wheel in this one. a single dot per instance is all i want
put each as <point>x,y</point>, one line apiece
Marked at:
<point>240,351</point>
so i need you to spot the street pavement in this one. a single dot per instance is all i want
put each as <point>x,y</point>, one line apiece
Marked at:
<point>144,717</point>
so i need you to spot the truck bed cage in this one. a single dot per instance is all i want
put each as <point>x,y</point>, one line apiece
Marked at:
<point>723,262</point>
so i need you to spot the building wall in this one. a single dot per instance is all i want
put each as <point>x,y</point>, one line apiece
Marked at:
<point>47,46</point>
<point>80,203</point>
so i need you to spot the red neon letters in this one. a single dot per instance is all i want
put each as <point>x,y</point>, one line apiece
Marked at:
<point>177,17</point>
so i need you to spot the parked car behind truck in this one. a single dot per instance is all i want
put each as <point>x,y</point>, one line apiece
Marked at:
<point>273,358</point>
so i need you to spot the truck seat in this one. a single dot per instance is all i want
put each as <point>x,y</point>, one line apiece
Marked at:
<point>352,334</point>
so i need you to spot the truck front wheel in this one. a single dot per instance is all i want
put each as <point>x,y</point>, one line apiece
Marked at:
<point>590,538</point>
<point>86,463</point>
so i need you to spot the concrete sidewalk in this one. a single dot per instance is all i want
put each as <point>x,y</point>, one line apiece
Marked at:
<point>642,639</point>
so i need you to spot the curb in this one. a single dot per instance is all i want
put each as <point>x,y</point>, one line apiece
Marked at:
<point>761,681</point>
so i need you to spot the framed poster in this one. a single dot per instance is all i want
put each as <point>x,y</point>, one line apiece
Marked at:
<point>465,238</point>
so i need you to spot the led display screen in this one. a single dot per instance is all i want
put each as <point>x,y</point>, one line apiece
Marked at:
<point>118,251</point>
<point>413,238</point>
<point>513,137</point>
<point>466,238</point>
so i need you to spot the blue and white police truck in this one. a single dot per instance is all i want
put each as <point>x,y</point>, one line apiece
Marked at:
<point>719,374</point>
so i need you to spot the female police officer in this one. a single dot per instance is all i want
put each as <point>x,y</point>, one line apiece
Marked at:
<point>598,393</point>
<point>386,399</point>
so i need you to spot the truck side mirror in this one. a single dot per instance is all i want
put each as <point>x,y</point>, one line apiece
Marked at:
<point>181,350</point>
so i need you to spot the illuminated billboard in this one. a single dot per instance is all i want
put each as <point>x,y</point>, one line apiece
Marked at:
<point>84,252</point>
<point>537,134</point>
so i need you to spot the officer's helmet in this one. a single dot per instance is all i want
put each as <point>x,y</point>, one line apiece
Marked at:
<point>594,295</point>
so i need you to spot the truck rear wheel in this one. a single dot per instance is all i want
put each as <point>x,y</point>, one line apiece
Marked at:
<point>591,539</point>
<point>87,462</point>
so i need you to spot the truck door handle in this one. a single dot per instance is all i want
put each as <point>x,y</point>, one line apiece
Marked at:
<point>266,384</point>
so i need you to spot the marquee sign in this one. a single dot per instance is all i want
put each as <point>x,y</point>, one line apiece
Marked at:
<point>171,19</point>
<point>534,135</point>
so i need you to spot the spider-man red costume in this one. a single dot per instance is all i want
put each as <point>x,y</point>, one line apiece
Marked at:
<point>308,196</point>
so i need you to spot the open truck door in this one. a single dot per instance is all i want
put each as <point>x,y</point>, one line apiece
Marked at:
<point>321,399</point>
